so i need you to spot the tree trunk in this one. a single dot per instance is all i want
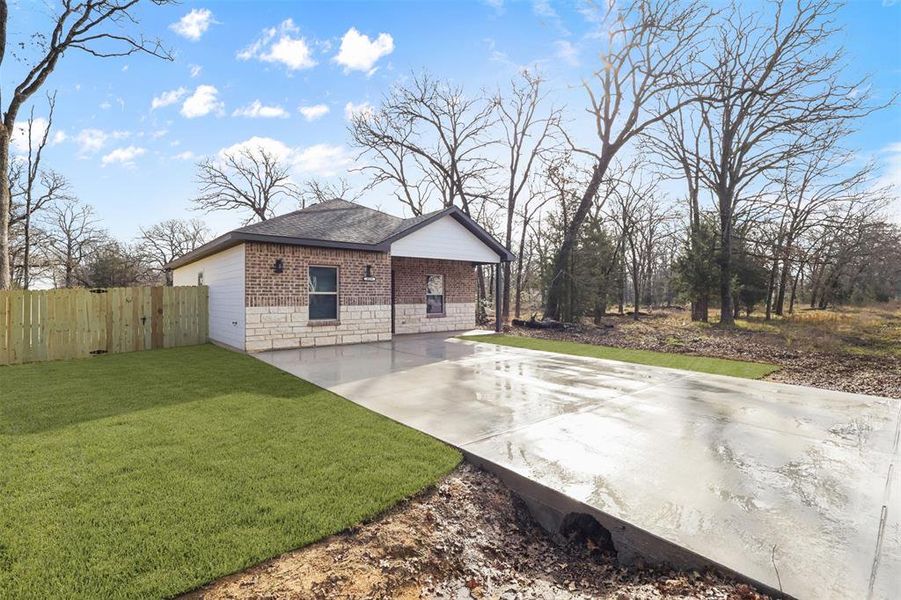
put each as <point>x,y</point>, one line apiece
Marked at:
<point>699,308</point>
<point>5,267</point>
<point>636,289</point>
<point>555,297</point>
<point>505,293</point>
<point>481,315</point>
<point>622,289</point>
<point>600,309</point>
<point>791,302</point>
<point>769,289</point>
<point>784,275</point>
<point>727,312</point>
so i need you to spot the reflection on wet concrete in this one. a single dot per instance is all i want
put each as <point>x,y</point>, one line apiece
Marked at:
<point>728,468</point>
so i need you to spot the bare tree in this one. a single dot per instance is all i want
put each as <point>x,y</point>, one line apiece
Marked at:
<point>815,186</point>
<point>249,179</point>
<point>427,139</point>
<point>32,189</point>
<point>649,45</point>
<point>639,215</point>
<point>528,213</point>
<point>775,93</point>
<point>97,27</point>
<point>165,241</point>
<point>73,234</point>
<point>314,191</point>
<point>675,146</point>
<point>528,133</point>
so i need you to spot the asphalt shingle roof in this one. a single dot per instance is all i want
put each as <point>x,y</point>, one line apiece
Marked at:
<point>332,220</point>
<point>336,223</point>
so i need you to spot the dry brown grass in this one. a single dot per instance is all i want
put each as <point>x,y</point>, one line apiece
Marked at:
<point>854,349</point>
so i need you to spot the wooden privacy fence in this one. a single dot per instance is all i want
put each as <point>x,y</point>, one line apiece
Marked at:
<point>77,323</point>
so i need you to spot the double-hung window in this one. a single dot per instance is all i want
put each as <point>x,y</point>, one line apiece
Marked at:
<point>434,295</point>
<point>323,293</point>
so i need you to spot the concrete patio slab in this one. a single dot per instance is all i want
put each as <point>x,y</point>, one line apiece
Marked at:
<point>744,473</point>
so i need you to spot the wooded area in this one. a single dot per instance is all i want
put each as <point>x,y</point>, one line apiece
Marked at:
<point>714,169</point>
<point>78,323</point>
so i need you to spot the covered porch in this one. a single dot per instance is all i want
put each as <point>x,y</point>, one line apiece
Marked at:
<point>434,281</point>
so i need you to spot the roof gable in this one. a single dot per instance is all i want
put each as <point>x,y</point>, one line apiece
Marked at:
<point>443,238</point>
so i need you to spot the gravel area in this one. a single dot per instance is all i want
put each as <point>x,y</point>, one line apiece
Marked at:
<point>469,538</point>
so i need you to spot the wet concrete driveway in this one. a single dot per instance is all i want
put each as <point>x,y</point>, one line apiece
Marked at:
<point>745,473</point>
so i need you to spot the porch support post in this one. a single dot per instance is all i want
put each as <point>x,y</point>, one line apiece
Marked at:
<point>497,297</point>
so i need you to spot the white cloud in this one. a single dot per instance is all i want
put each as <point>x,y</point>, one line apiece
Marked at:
<point>323,160</point>
<point>194,24</point>
<point>257,109</point>
<point>195,70</point>
<point>19,139</point>
<point>58,138</point>
<point>167,98</point>
<point>203,101</point>
<point>278,149</point>
<point>186,155</point>
<point>316,111</point>
<point>124,156</point>
<point>282,45</point>
<point>105,105</point>
<point>543,10</point>
<point>352,110</point>
<point>891,169</point>
<point>159,133</point>
<point>567,52</point>
<point>91,140</point>
<point>359,53</point>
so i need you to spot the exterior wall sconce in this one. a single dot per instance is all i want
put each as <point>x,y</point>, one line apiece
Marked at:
<point>279,266</point>
<point>367,274</point>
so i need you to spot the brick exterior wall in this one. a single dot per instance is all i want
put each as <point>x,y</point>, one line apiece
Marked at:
<point>460,293</point>
<point>264,287</point>
<point>276,304</point>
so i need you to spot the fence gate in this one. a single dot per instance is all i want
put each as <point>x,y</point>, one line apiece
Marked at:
<point>77,323</point>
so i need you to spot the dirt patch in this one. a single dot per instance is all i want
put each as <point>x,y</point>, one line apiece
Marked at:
<point>468,538</point>
<point>856,351</point>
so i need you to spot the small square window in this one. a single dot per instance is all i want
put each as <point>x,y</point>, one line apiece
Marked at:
<point>323,282</point>
<point>434,295</point>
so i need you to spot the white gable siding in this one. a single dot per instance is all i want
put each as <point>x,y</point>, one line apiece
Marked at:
<point>444,239</point>
<point>223,273</point>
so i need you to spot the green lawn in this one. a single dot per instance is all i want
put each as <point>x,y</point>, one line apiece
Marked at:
<point>702,364</point>
<point>148,474</point>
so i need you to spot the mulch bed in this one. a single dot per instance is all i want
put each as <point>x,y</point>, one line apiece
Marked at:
<point>470,537</point>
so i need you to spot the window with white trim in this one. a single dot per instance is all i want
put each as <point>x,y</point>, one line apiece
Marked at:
<point>323,293</point>
<point>434,295</point>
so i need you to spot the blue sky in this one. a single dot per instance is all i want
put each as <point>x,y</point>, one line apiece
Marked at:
<point>135,162</point>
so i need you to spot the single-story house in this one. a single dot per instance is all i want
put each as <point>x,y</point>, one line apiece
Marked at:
<point>340,273</point>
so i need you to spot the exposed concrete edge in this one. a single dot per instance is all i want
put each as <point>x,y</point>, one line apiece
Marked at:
<point>550,507</point>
